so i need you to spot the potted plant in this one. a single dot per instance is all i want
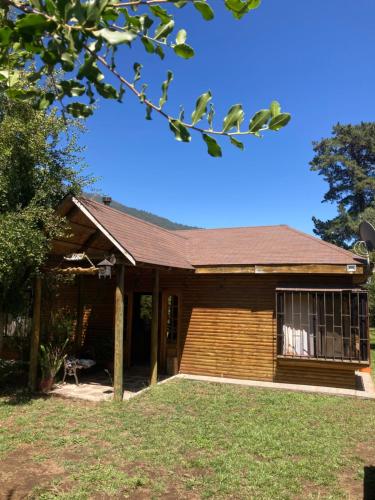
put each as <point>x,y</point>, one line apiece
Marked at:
<point>51,360</point>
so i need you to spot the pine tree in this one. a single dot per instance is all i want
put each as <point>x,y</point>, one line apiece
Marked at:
<point>346,161</point>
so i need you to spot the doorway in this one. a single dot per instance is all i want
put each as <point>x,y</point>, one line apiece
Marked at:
<point>141,329</point>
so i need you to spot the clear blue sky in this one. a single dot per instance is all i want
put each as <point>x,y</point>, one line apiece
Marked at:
<point>316,58</point>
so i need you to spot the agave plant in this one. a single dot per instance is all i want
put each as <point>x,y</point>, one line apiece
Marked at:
<point>51,359</point>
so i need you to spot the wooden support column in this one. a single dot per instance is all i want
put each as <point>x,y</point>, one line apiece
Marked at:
<point>79,327</point>
<point>35,334</point>
<point>154,329</point>
<point>2,329</point>
<point>119,334</point>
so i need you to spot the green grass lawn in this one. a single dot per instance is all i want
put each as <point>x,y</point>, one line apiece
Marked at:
<point>188,439</point>
<point>372,341</point>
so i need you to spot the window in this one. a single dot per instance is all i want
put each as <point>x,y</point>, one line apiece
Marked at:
<point>328,324</point>
<point>172,319</point>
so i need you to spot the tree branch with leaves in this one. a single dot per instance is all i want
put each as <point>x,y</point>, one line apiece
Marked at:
<point>84,39</point>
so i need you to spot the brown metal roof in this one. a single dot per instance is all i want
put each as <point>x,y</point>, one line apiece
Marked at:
<point>144,241</point>
<point>261,245</point>
<point>187,249</point>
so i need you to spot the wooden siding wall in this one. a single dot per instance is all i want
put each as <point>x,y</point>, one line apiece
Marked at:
<point>228,327</point>
<point>229,330</point>
<point>316,372</point>
<point>227,323</point>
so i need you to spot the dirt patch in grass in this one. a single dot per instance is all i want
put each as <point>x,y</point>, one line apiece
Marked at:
<point>20,474</point>
<point>361,487</point>
<point>170,482</point>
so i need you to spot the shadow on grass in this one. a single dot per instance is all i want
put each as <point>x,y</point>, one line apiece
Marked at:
<point>19,396</point>
<point>369,483</point>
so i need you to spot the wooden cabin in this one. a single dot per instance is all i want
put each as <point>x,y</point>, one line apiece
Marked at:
<point>265,303</point>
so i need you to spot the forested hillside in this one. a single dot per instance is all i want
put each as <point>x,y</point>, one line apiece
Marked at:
<point>141,214</point>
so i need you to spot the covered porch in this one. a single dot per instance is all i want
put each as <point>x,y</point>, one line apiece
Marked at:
<point>124,320</point>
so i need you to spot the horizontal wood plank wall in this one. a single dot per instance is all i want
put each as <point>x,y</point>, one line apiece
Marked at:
<point>98,325</point>
<point>227,323</point>
<point>320,373</point>
<point>229,327</point>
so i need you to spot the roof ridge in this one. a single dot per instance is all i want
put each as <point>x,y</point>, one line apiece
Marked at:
<point>203,229</point>
<point>169,231</point>
<point>322,242</point>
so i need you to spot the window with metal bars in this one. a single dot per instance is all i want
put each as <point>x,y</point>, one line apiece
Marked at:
<point>322,324</point>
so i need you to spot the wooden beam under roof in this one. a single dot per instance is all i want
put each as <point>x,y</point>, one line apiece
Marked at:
<point>90,240</point>
<point>283,269</point>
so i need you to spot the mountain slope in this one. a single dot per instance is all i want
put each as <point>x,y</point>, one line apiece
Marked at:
<point>142,214</point>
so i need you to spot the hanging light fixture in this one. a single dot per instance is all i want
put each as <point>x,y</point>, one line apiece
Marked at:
<point>104,269</point>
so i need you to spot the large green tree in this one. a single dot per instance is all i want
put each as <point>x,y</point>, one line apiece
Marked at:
<point>39,164</point>
<point>346,161</point>
<point>88,39</point>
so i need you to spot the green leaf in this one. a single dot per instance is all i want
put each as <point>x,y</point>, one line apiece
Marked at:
<point>279,121</point>
<point>67,61</point>
<point>110,14</point>
<point>159,51</point>
<point>205,9</point>
<point>236,143</point>
<point>94,9</point>
<point>32,23</point>
<point>71,88</point>
<point>106,90</point>
<point>210,116</point>
<point>49,57</point>
<point>234,118</point>
<point>163,30</point>
<point>259,120</point>
<point>180,131</point>
<point>5,34</point>
<point>89,69</point>
<point>275,108</point>
<point>142,95</point>
<point>213,147</point>
<point>12,76</point>
<point>121,93</point>
<point>137,71</point>
<point>200,107</point>
<point>239,7</point>
<point>115,37</point>
<point>148,45</point>
<point>79,110</point>
<point>181,37</point>
<point>181,114</point>
<point>45,101</point>
<point>164,88</point>
<point>183,50</point>
<point>148,112</point>
<point>162,14</point>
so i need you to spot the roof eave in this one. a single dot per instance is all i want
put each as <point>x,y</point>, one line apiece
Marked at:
<point>106,233</point>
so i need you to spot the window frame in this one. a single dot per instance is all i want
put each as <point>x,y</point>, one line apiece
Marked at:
<point>355,347</point>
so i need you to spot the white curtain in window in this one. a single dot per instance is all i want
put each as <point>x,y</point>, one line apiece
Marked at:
<point>298,341</point>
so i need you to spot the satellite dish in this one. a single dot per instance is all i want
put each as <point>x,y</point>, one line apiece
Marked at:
<point>367,234</point>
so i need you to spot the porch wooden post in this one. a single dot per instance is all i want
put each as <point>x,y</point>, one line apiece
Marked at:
<point>35,334</point>
<point>119,334</point>
<point>154,329</point>
<point>79,328</point>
